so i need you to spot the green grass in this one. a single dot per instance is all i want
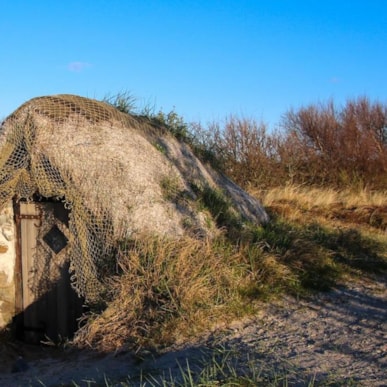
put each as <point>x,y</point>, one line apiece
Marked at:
<point>220,208</point>
<point>228,368</point>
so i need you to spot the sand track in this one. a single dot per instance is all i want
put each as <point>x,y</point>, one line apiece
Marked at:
<point>339,336</point>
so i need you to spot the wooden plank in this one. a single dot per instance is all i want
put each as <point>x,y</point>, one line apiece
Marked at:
<point>18,266</point>
<point>29,233</point>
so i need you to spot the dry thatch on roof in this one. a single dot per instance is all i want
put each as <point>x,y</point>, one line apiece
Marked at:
<point>120,175</point>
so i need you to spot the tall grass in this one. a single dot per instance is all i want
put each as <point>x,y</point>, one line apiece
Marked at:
<point>170,290</point>
<point>166,287</point>
<point>345,207</point>
<point>321,197</point>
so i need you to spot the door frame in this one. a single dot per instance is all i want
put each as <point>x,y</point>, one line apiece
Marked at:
<point>60,307</point>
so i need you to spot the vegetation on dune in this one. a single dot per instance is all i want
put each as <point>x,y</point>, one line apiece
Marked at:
<point>328,222</point>
<point>323,179</point>
<point>168,292</point>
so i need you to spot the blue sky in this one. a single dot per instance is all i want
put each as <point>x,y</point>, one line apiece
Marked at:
<point>205,58</point>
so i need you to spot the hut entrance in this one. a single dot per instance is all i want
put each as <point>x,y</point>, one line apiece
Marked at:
<point>48,305</point>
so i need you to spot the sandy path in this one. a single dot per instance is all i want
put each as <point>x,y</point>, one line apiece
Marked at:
<point>338,336</point>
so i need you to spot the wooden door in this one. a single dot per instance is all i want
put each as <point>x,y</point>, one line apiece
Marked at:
<point>50,305</point>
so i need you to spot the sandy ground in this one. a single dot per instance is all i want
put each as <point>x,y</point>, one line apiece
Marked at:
<point>334,338</point>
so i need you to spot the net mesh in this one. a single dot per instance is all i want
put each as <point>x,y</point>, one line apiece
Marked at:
<point>25,170</point>
<point>70,148</point>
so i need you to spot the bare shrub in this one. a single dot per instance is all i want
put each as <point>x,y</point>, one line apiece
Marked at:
<point>320,144</point>
<point>244,149</point>
<point>339,146</point>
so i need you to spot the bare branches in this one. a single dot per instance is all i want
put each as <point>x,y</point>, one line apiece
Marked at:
<point>320,144</point>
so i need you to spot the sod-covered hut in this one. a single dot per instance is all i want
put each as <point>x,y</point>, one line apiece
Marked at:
<point>77,176</point>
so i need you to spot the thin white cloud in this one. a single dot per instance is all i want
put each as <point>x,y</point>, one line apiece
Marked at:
<point>335,80</point>
<point>77,67</point>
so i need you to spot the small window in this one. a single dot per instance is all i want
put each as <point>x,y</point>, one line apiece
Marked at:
<point>55,239</point>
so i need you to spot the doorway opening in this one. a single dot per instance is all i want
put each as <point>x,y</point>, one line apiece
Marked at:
<point>47,306</point>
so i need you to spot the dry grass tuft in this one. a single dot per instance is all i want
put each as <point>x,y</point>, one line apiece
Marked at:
<point>302,204</point>
<point>165,287</point>
<point>322,197</point>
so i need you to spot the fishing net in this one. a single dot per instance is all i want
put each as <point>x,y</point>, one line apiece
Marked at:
<point>120,176</point>
<point>26,171</point>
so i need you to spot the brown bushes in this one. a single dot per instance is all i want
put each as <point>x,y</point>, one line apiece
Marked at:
<point>336,147</point>
<point>318,145</point>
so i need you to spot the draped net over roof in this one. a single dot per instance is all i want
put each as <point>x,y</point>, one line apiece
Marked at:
<point>109,168</point>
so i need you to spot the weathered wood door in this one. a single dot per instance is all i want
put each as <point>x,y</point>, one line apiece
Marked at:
<point>50,307</point>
